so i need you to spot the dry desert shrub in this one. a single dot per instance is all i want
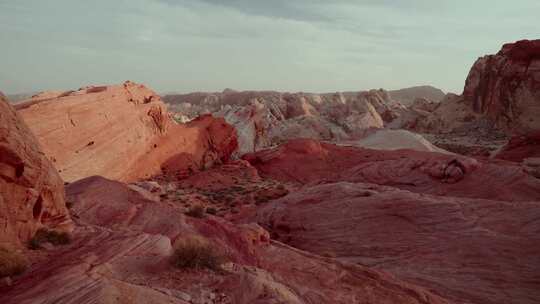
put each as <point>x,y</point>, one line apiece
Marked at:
<point>196,211</point>
<point>194,252</point>
<point>48,236</point>
<point>11,262</point>
<point>211,210</point>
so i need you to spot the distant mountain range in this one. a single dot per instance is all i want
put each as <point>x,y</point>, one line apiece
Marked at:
<point>18,97</point>
<point>408,95</point>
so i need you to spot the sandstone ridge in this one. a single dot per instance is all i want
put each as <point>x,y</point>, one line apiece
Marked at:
<point>122,132</point>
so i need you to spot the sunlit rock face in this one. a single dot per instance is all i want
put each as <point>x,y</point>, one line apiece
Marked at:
<point>122,132</point>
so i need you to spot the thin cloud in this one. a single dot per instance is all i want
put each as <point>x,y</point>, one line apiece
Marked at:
<point>294,45</point>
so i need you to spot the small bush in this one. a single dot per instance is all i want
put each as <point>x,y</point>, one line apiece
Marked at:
<point>48,236</point>
<point>211,210</point>
<point>196,211</point>
<point>11,263</point>
<point>196,253</point>
<point>281,187</point>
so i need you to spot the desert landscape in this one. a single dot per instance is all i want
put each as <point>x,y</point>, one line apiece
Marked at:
<point>115,193</point>
<point>407,196</point>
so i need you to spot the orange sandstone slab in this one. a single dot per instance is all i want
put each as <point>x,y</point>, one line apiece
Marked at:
<point>122,132</point>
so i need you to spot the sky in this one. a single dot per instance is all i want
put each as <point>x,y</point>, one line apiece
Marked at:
<point>284,45</point>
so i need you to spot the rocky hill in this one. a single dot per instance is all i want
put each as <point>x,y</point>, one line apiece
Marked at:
<point>122,132</point>
<point>500,99</point>
<point>407,96</point>
<point>501,93</point>
<point>265,119</point>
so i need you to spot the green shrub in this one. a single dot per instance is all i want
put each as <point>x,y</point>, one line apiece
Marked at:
<point>194,252</point>
<point>196,211</point>
<point>48,236</point>
<point>11,263</point>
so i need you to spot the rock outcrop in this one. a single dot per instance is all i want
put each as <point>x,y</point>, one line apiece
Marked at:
<point>505,88</point>
<point>501,94</point>
<point>467,250</point>
<point>31,191</point>
<point>123,132</point>
<point>187,148</point>
<point>309,161</point>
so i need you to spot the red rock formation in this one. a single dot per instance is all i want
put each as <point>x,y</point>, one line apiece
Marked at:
<point>309,161</point>
<point>122,132</point>
<point>31,191</point>
<point>521,147</point>
<point>123,242</point>
<point>501,95</point>
<point>188,148</point>
<point>467,250</point>
<point>505,87</point>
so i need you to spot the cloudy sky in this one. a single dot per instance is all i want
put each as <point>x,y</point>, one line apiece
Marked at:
<point>289,45</point>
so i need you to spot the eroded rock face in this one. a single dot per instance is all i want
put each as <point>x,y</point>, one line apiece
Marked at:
<point>506,87</point>
<point>500,99</point>
<point>501,94</point>
<point>467,250</point>
<point>31,191</point>
<point>122,132</point>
